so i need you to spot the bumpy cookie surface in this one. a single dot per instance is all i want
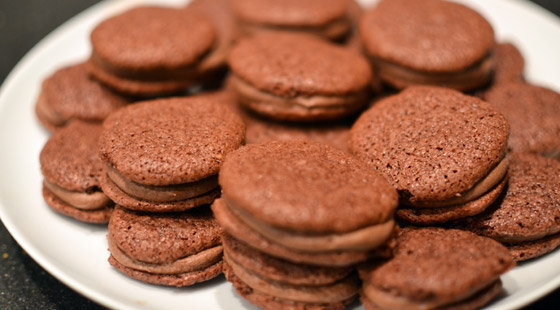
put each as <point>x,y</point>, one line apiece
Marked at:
<point>428,36</point>
<point>170,141</point>
<point>306,186</point>
<point>290,65</point>
<point>431,143</point>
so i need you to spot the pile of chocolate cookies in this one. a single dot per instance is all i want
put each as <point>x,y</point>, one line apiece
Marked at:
<point>312,151</point>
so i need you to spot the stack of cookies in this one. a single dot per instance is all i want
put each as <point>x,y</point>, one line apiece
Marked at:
<point>365,128</point>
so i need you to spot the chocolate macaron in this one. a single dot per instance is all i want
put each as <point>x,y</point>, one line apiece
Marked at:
<point>443,151</point>
<point>70,93</point>
<point>175,249</point>
<point>432,42</point>
<point>328,19</point>
<point>72,172</point>
<point>527,218</point>
<point>164,155</point>
<point>435,268</point>
<point>305,202</point>
<point>273,283</point>
<point>534,115</point>
<point>297,77</point>
<point>151,51</point>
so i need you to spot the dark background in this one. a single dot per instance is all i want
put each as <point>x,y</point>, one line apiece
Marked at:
<point>23,283</point>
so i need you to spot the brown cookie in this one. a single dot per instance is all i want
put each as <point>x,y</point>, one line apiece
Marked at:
<point>509,63</point>
<point>534,116</point>
<point>164,155</point>
<point>292,193</point>
<point>150,51</point>
<point>431,42</point>
<point>285,283</point>
<point>527,217</point>
<point>436,268</point>
<point>327,19</point>
<point>297,77</point>
<point>69,94</point>
<point>176,249</point>
<point>72,170</point>
<point>437,147</point>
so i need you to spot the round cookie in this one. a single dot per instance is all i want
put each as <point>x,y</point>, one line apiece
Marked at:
<point>527,218</point>
<point>533,113</point>
<point>292,193</point>
<point>431,42</point>
<point>434,268</point>
<point>296,77</point>
<point>69,94</point>
<point>138,54</point>
<point>164,155</point>
<point>437,147</point>
<point>327,19</point>
<point>259,278</point>
<point>175,249</point>
<point>72,170</point>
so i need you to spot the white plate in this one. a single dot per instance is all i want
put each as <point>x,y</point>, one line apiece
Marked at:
<point>76,253</point>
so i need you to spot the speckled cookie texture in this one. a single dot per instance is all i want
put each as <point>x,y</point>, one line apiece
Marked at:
<point>432,42</point>
<point>436,146</point>
<point>70,93</point>
<point>436,268</point>
<point>292,194</point>
<point>149,50</point>
<point>296,77</point>
<point>534,115</point>
<point>168,149</point>
<point>328,19</point>
<point>282,283</point>
<point>527,217</point>
<point>72,170</point>
<point>175,249</point>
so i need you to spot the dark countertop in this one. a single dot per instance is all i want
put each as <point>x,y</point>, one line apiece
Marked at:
<point>23,283</point>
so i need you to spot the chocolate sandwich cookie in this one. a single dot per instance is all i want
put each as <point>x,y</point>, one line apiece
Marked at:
<point>328,19</point>
<point>297,77</point>
<point>534,115</point>
<point>272,283</point>
<point>434,268</point>
<point>443,151</point>
<point>72,171</point>
<point>164,155</point>
<point>151,51</point>
<point>527,218</point>
<point>431,42</point>
<point>291,200</point>
<point>70,93</point>
<point>175,249</point>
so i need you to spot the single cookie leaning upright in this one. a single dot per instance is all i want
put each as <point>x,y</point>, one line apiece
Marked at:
<point>534,115</point>
<point>151,51</point>
<point>328,19</point>
<point>301,204</point>
<point>434,268</point>
<point>72,171</point>
<point>527,218</point>
<point>443,151</point>
<point>70,93</point>
<point>297,77</point>
<point>432,42</point>
<point>176,249</point>
<point>164,155</point>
